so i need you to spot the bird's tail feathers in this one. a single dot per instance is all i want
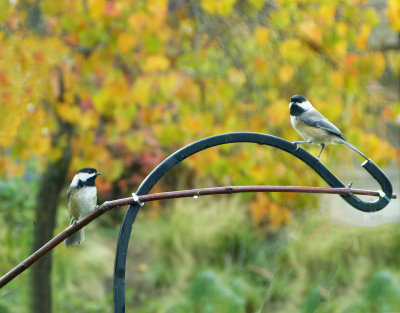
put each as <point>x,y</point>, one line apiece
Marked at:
<point>355,149</point>
<point>76,238</point>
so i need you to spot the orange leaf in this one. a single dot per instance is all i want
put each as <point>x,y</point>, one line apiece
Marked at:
<point>126,41</point>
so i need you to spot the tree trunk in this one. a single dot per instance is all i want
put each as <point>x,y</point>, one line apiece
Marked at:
<point>52,182</point>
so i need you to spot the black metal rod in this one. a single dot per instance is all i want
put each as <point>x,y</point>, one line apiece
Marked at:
<point>262,139</point>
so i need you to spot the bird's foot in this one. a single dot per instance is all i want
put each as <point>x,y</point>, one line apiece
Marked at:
<point>350,185</point>
<point>322,149</point>
<point>297,143</point>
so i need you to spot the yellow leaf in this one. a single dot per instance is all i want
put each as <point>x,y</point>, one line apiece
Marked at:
<point>41,146</point>
<point>156,63</point>
<point>123,123</point>
<point>280,18</point>
<point>262,35</point>
<point>134,141</point>
<point>208,6</point>
<point>188,91</point>
<point>11,117</point>
<point>186,27</point>
<point>260,64</point>
<point>138,21</point>
<point>258,173</point>
<point>379,63</point>
<point>96,7</point>
<point>237,77</point>
<point>263,210</point>
<point>340,48</point>
<point>258,4</point>
<point>310,30</point>
<point>69,112</point>
<point>141,91</point>
<point>192,123</point>
<point>362,38</point>
<point>337,78</point>
<point>361,42</point>
<point>293,50</point>
<point>277,113</point>
<point>379,150</point>
<point>104,102</point>
<point>89,120</point>
<point>342,28</point>
<point>221,7</point>
<point>158,8</point>
<point>332,108</point>
<point>393,12</point>
<point>286,73</point>
<point>364,62</point>
<point>366,29</point>
<point>327,14</point>
<point>169,83</point>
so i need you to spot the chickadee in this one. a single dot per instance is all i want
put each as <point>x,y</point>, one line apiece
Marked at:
<point>82,199</point>
<point>313,126</point>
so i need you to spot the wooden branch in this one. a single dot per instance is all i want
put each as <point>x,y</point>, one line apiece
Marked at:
<point>108,205</point>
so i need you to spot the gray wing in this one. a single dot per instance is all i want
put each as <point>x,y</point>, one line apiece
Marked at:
<point>69,192</point>
<point>315,119</point>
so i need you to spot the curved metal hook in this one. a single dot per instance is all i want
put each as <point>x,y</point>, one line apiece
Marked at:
<point>262,139</point>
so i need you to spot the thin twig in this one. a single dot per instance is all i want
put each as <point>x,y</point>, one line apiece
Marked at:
<point>108,205</point>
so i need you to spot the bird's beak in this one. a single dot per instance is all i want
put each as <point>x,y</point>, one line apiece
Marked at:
<point>98,174</point>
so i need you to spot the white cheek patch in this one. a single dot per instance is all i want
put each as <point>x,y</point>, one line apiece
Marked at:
<point>81,177</point>
<point>307,105</point>
<point>85,176</point>
<point>75,181</point>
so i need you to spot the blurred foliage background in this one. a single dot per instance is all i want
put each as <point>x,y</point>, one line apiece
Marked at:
<point>119,85</point>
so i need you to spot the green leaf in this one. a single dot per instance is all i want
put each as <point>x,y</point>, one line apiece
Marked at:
<point>153,44</point>
<point>4,6</point>
<point>371,17</point>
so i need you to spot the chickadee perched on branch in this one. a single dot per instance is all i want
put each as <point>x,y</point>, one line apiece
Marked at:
<point>82,199</point>
<point>313,126</point>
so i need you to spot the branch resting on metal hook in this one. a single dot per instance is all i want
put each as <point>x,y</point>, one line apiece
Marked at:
<point>263,139</point>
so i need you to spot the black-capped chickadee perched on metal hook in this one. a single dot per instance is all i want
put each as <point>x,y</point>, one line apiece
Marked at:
<point>313,126</point>
<point>82,199</point>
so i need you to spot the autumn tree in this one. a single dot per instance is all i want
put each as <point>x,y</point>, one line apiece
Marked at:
<point>118,85</point>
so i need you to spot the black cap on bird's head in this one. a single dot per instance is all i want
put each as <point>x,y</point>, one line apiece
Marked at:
<point>298,105</point>
<point>88,170</point>
<point>298,99</point>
